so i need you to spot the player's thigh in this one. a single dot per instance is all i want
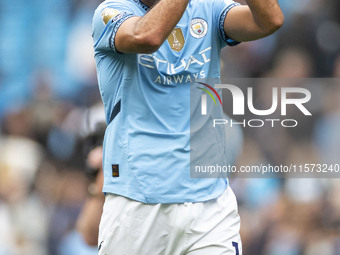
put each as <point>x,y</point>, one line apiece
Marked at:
<point>116,209</point>
<point>132,228</point>
<point>218,228</point>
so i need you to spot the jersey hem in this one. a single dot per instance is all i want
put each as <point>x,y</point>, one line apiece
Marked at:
<point>118,192</point>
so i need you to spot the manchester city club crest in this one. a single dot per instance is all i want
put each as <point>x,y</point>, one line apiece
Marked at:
<point>198,28</point>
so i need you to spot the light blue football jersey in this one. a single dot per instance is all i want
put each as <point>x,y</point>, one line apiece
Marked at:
<point>147,102</point>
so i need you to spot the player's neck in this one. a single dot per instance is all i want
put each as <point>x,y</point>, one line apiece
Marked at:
<point>149,3</point>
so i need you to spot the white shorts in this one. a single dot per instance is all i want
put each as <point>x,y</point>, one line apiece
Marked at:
<point>130,227</point>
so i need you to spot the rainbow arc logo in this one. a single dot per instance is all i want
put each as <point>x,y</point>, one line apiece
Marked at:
<point>204,97</point>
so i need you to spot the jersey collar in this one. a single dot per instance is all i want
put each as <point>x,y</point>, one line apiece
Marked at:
<point>141,4</point>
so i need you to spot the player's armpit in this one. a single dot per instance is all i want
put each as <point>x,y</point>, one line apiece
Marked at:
<point>245,24</point>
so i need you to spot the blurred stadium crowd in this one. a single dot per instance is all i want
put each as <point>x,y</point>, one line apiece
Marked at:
<point>48,86</point>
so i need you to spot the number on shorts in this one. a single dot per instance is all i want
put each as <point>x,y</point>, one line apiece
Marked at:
<point>236,248</point>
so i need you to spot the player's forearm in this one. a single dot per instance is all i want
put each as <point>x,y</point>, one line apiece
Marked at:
<point>259,19</point>
<point>146,34</point>
<point>266,14</point>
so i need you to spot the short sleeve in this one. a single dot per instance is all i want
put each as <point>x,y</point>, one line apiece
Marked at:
<point>106,21</point>
<point>221,9</point>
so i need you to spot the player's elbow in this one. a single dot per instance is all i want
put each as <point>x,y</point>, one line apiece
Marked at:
<point>148,43</point>
<point>278,21</point>
<point>275,23</point>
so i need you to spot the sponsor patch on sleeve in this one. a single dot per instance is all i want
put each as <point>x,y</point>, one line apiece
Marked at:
<point>108,14</point>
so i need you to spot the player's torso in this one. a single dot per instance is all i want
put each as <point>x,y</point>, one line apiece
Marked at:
<point>150,136</point>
